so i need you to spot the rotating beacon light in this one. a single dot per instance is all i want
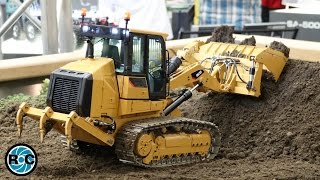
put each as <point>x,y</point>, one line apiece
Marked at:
<point>83,14</point>
<point>127,18</point>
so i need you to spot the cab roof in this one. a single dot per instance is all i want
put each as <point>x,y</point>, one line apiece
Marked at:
<point>114,32</point>
<point>164,35</point>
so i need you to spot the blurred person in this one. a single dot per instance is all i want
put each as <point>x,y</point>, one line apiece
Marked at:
<point>267,5</point>
<point>145,14</point>
<point>230,12</point>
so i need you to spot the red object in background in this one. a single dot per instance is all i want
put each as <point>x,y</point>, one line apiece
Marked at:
<point>272,4</point>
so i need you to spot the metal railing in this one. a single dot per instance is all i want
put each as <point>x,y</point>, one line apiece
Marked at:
<point>48,24</point>
<point>268,32</point>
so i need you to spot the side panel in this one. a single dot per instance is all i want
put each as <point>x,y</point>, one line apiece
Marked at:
<point>120,84</point>
<point>134,96</point>
<point>99,94</point>
<point>134,88</point>
<point>97,91</point>
<point>110,96</point>
<point>140,106</point>
<point>134,106</point>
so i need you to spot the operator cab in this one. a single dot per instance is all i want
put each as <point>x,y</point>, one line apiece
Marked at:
<point>139,55</point>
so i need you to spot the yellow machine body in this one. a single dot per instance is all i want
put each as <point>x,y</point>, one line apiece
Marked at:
<point>118,100</point>
<point>111,96</point>
<point>224,77</point>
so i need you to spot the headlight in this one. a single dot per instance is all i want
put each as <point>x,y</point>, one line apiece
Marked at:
<point>85,28</point>
<point>114,31</point>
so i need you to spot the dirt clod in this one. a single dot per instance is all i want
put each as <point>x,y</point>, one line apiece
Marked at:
<point>279,46</point>
<point>249,41</point>
<point>222,34</point>
<point>11,109</point>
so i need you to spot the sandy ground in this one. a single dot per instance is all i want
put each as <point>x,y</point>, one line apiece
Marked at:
<point>275,136</point>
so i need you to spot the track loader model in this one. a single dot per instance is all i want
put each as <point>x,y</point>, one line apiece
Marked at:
<point>118,95</point>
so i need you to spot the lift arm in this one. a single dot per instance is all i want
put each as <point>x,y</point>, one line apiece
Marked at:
<point>225,67</point>
<point>222,68</point>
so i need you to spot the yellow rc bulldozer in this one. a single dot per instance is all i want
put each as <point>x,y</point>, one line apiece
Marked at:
<point>119,94</point>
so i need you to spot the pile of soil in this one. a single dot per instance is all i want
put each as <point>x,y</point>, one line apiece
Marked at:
<point>249,41</point>
<point>225,34</point>
<point>279,46</point>
<point>275,136</point>
<point>284,121</point>
<point>222,34</point>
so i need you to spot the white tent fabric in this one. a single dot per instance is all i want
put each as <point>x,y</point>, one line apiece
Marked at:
<point>145,14</point>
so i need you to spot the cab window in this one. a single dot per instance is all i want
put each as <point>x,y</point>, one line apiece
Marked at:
<point>156,68</point>
<point>138,54</point>
<point>110,48</point>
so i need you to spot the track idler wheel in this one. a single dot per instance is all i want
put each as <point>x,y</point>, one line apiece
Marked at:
<point>144,145</point>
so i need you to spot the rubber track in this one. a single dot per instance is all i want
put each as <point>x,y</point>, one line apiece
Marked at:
<point>126,137</point>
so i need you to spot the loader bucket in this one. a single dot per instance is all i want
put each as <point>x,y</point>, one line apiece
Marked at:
<point>238,68</point>
<point>273,60</point>
<point>70,125</point>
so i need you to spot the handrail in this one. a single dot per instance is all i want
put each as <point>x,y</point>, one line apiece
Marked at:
<point>294,32</point>
<point>299,49</point>
<point>38,66</point>
<point>14,17</point>
<point>36,22</point>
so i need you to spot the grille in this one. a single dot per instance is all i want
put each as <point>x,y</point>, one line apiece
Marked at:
<point>65,95</point>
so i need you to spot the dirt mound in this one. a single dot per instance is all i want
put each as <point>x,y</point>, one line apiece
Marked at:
<point>275,136</point>
<point>284,121</point>
<point>279,46</point>
<point>222,34</point>
<point>225,34</point>
<point>249,41</point>
<point>8,115</point>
